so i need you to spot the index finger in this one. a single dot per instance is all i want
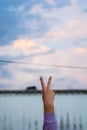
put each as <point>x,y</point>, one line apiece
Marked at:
<point>49,82</point>
<point>42,83</point>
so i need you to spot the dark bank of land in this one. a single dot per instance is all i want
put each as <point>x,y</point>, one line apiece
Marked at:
<point>39,91</point>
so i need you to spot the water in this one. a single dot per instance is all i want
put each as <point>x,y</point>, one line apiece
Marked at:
<point>25,112</point>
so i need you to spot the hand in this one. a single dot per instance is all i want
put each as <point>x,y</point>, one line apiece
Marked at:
<point>47,95</point>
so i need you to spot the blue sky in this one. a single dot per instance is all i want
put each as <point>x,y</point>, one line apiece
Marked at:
<point>50,32</point>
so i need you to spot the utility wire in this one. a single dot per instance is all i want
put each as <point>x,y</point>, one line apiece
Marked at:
<point>55,66</point>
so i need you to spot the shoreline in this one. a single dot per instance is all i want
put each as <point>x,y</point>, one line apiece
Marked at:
<point>40,91</point>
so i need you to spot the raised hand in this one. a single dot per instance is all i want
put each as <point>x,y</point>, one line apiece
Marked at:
<point>47,95</point>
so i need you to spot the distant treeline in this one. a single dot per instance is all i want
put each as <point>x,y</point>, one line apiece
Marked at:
<point>31,91</point>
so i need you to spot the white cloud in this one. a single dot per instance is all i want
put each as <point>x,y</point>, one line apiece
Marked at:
<point>68,23</point>
<point>81,51</point>
<point>73,30</point>
<point>52,2</point>
<point>23,47</point>
<point>21,77</point>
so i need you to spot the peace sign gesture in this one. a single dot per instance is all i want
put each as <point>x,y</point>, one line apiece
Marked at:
<point>47,95</point>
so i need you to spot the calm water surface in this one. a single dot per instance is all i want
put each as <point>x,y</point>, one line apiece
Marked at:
<point>25,112</point>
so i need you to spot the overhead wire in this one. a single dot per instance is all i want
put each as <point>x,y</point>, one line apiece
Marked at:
<point>45,65</point>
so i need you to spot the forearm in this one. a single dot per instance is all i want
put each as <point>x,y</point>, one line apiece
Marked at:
<point>50,122</point>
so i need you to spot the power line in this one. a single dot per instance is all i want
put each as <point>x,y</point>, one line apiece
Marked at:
<point>55,66</point>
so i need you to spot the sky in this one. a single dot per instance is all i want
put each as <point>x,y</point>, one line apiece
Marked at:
<point>48,32</point>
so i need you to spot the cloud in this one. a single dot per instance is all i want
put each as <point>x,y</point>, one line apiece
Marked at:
<point>4,86</point>
<point>65,57</point>
<point>28,75</point>
<point>70,57</point>
<point>62,3</point>
<point>59,3</point>
<point>20,79</point>
<point>81,51</point>
<point>23,43</point>
<point>42,23</point>
<point>66,24</point>
<point>5,82</point>
<point>68,83</point>
<point>22,47</point>
<point>73,30</point>
<point>52,2</point>
<point>50,32</point>
<point>24,75</point>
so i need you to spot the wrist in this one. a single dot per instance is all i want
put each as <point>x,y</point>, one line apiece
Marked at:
<point>49,108</point>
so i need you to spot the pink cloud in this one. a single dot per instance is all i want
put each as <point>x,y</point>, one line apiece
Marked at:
<point>23,47</point>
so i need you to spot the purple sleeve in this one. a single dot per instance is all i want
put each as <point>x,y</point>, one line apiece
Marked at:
<point>50,122</point>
